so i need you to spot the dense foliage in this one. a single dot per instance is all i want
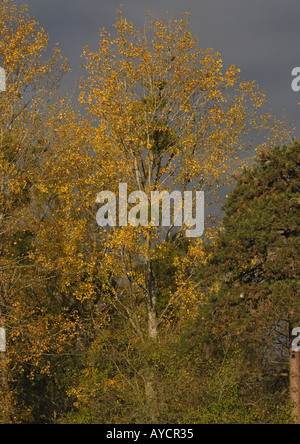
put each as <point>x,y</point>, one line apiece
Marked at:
<point>140,324</point>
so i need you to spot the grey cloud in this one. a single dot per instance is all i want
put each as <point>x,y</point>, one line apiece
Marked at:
<point>259,36</point>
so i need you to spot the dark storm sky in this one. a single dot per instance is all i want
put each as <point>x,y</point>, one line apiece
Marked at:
<point>261,37</point>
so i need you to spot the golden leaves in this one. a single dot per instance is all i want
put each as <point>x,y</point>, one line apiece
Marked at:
<point>163,114</point>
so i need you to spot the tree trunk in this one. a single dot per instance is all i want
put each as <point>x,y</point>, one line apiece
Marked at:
<point>150,394</point>
<point>295,384</point>
<point>152,322</point>
<point>149,375</point>
<point>150,389</point>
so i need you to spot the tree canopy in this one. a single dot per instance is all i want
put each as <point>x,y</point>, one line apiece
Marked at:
<point>101,321</point>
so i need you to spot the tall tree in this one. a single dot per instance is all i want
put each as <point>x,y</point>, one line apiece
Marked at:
<point>31,84</point>
<point>255,263</point>
<point>165,116</point>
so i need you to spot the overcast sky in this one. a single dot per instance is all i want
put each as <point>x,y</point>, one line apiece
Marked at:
<point>261,37</point>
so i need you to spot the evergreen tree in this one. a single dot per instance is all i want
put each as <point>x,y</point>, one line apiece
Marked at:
<point>254,264</point>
